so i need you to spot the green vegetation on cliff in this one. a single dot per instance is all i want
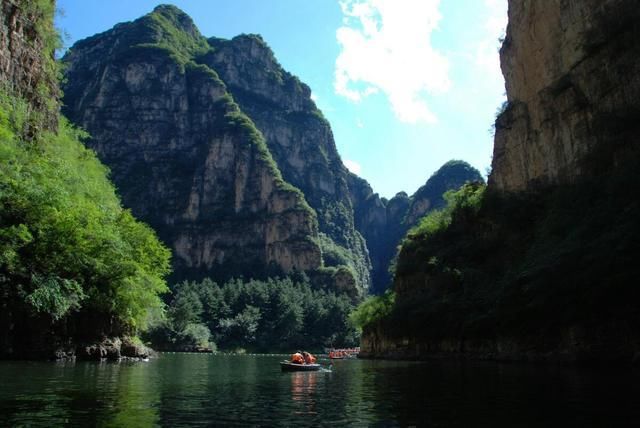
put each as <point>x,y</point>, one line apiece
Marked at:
<point>274,314</point>
<point>176,32</point>
<point>74,264</point>
<point>466,199</point>
<point>385,223</point>
<point>374,308</point>
<point>66,244</point>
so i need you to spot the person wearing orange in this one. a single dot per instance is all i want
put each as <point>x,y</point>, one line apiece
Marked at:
<point>308,358</point>
<point>297,358</point>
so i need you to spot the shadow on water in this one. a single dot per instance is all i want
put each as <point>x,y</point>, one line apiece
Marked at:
<point>183,389</point>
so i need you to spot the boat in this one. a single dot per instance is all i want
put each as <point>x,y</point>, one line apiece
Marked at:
<point>288,366</point>
<point>344,353</point>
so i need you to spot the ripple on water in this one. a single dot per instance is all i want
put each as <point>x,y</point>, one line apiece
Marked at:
<point>206,389</point>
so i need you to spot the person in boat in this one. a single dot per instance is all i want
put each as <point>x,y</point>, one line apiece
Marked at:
<point>308,358</point>
<point>297,358</point>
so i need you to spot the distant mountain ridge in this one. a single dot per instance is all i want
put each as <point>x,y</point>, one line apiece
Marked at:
<point>384,223</point>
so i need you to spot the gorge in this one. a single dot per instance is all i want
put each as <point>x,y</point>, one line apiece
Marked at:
<point>227,158</point>
<point>221,151</point>
<point>176,217</point>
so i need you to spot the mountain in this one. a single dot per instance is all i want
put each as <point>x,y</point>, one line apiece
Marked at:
<point>183,153</point>
<point>226,155</point>
<point>540,265</point>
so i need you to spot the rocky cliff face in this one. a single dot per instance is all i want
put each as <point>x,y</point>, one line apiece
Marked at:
<point>25,33</point>
<point>184,156</point>
<point>384,223</point>
<point>298,137</point>
<point>571,73</point>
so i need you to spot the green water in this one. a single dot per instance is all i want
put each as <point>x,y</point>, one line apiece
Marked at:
<point>206,390</point>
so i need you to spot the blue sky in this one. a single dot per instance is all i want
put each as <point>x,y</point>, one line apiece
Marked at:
<point>406,84</point>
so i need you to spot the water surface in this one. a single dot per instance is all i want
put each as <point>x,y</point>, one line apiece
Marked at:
<point>220,390</point>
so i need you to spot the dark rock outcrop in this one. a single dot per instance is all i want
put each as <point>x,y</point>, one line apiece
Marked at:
<point>572,345</point>
<point>114,349</point>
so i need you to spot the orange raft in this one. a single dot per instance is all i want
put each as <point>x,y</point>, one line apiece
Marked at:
<point>339,354</point>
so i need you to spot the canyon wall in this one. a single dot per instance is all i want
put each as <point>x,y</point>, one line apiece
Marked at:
<point>571,74</point>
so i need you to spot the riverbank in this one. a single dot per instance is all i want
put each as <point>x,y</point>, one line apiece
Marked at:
<point>572,346</point>
<point>108,348</point>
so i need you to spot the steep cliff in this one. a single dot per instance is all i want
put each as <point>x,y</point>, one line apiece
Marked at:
<point>299,139</point>
<point>540,266</point>
<point>384,223</point>
<point>182,152</point>
<point>571,73</point>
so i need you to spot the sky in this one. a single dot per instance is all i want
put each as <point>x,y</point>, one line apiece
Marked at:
<point>406,84</point>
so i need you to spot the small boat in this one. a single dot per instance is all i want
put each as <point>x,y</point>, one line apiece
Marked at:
<point>288,366</point>
<point>341,354</point>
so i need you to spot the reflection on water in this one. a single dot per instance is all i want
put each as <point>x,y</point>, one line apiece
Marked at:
<point>182,389</point>
<point>303,391</point>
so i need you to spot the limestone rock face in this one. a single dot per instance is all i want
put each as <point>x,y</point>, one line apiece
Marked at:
<point>22,67</point>
<point>572,82</point>
<point>183,155</point>
<point>298,137</point>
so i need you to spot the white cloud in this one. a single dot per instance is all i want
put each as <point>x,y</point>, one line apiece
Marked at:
<point>314,97</point>
<point>386,47</point>
<point>359,123</point>
<point>352,166</point>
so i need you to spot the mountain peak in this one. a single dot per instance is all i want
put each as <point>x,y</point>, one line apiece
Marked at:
<point>177,17</point>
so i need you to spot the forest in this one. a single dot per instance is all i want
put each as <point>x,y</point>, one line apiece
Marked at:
<point>276,314</point>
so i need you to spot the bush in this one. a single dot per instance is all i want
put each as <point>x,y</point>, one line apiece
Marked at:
<point>373,309</point>
<point>464,202</point>
<point>195,335</point>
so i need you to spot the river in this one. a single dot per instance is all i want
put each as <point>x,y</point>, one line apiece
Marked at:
<point>224,390</point>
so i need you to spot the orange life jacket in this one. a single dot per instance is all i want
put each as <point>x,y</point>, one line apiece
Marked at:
<point>297,358</point>
<point>309,358</point>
